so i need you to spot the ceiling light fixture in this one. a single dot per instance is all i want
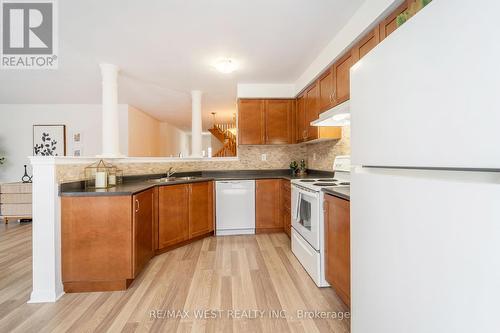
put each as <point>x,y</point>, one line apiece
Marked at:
<point>225,66</point>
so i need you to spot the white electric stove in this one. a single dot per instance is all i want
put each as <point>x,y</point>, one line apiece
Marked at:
<point>307,217</point>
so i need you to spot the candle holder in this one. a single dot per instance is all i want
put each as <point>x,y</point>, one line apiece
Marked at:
<point>100,175</point>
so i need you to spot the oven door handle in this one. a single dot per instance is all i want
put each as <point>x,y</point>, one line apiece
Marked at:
<point>297,207</point>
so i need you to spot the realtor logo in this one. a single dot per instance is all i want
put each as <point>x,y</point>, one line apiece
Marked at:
<point>28,34</point>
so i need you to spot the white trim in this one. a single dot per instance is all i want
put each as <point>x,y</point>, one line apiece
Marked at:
<point>46,234</point>
<point>89,159</point>
<point>44,296</point>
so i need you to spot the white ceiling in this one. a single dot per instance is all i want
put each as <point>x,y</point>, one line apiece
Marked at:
<point>165,49</point>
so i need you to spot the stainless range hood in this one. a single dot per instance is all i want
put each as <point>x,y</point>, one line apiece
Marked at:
<point>337,116</point>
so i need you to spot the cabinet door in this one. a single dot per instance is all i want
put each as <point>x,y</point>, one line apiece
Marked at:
<point>326,90</point>
<point>341,91</point>
<point>337,246</point>
<point>173,215</point>
<point>312,111</point>
<point>267,205</point>
<point>96,239</point>
<point>201,209</point>
<point>366,44</point>
<point>388,25</point>
<point>285,206</point>
<point>278,121</point>
<point>143,229</point>
<point>301,132</point>
<point>251,122</point>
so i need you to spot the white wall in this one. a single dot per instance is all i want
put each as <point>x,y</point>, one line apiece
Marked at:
<point>364,19</point>
<point>16,131</point>
<point>144,138</point>
<point>174,141</point>
<point>249,90</point>
<point>206,142</point>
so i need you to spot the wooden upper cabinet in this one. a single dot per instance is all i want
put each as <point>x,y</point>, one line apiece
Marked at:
<point>300,118</point>
<point>341,88</point>
<point>278,121</point>
<point>388,25</point>
<point>251,129</point>
<point>312,111</point>
<point>366,44</point>
<point>337,246</point>
<point>173,215</point>
<point>143,229</point>
<point>201,214</point>
<point>326,83</point>
<point>268,205</point>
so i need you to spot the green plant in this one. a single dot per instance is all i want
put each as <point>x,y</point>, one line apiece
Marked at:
<point>414,8</point>
<point>302,165</point>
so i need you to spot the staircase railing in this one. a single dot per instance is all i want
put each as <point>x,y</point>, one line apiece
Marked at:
<point>225,134</point>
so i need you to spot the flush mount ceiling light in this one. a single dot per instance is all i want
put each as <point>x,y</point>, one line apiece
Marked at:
<point>225,66</point>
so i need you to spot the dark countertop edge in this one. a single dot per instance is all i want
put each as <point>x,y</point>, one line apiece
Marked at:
<point>339,193</point>
<point>136,184</point>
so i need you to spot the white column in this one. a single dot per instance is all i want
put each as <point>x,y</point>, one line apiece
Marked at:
<point>46,232</point>
<point>110,117</point>
<point>196,141</point>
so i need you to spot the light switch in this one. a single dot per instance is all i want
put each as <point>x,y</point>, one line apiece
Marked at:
<point>263,157</point>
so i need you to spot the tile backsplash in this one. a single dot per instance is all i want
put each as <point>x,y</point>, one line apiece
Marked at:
<point>319,156</point>
<point>250,158</point>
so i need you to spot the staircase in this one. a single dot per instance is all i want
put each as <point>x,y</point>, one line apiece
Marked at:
<point>223,133</point>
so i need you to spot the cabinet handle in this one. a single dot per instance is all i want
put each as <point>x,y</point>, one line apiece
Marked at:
<point>137,205</point>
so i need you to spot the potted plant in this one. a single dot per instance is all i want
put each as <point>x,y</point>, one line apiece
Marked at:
<point>293,168</point>
<point>302,167</point>
<point>412,10</point>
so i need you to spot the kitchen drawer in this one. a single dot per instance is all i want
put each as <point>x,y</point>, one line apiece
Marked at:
<point>15,198</point>
<point>15,209</point>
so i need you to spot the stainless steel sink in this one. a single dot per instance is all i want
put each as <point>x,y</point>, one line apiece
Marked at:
<point>172,179</point>
<point>163,180</point>
<point>188,178</point>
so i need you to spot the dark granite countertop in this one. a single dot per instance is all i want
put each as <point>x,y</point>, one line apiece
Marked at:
<point>340,192</point>
<point>135,184</point>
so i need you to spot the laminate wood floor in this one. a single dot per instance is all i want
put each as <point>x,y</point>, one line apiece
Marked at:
<point>222,274</point>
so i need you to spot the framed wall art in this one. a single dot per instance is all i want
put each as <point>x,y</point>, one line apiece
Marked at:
<point>49,140</point>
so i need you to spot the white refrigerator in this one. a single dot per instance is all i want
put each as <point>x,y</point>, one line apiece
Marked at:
<point>425,189</point>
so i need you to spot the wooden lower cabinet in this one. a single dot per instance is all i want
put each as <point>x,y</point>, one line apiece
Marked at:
<point>286,206</point>
<point>268,205</point>
<point>201,211</point>
<point>337,246</point>
<point>105,241</point>
<point>185,212</point>
<point>143,248</point>
<point>173,215</point>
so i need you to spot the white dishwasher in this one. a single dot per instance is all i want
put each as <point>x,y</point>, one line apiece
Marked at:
<point>235,207</point>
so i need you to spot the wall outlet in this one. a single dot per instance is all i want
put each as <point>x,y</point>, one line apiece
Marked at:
<point>263,157</point>
<point>314,156</point>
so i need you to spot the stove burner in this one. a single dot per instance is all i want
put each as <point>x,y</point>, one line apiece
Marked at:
<point>345,183</point>
<point>308,180</point>
<point>327,180</point>
<point>325,184</point>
